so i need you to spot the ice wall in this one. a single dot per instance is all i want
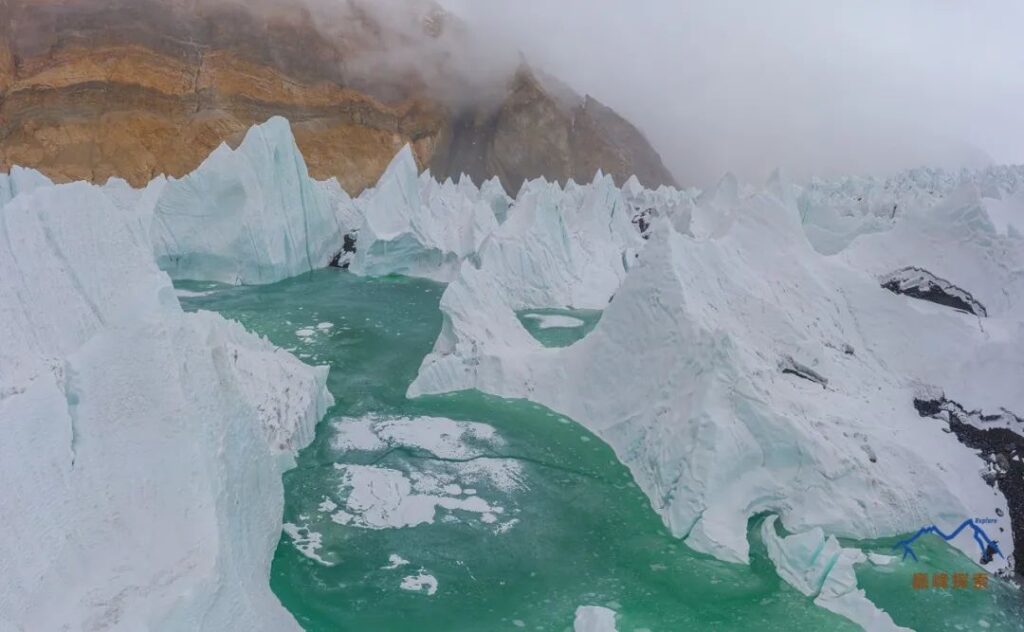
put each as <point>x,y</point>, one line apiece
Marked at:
<point>413,225</point>
<point>562,247</point>
<point>249,215</point>
<point>684,377</point>
<point>143,447</point>
<point>557,248</point>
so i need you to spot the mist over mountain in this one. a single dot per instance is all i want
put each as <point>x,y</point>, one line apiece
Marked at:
<point>817,88</point>
<point>93,89</point>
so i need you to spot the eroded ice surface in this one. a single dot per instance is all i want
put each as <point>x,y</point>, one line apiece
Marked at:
<point>249,215</point>
<point>837,211</point>
<point>820,568</point>
<point>415,226</point>
<point>143,446</point>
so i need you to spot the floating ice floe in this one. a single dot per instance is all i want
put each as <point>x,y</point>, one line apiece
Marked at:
<point>552,321</point>
<point>470,450</point>
<point>421,582</point>
<point>449,457</point>
<point>594,619</point>
<point>306,541</point>
<point>384,498</point>
<point>190,293</point>
<point>394,561</point>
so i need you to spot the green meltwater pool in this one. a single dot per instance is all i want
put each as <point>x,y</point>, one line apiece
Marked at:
<point>470,512</point>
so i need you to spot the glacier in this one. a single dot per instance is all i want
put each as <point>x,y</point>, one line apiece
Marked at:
<point>739,370</point>
<point>749,361</point>
<point>713,430</point>
<point>143,446</point>
<point>836,211</point>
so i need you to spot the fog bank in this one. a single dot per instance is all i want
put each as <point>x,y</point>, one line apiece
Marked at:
<point>818,88</point>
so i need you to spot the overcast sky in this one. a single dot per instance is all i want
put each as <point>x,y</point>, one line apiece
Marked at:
<point>814,86</point>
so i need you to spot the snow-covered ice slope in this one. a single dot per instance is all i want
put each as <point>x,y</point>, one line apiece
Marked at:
<point>143,446</point>
<point>739,371</point>
<point>415,226</point>
<point>956,241</point>
<point>836,211</point>
<point>249,215</point>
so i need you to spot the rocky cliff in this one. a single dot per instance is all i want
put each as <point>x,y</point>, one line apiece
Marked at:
<point>91,89</point>
<point>542,128</point>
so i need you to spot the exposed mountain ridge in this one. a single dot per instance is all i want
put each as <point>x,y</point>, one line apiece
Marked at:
<point>99,88</point>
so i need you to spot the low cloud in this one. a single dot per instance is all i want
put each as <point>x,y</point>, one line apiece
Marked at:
<point>817,88</point>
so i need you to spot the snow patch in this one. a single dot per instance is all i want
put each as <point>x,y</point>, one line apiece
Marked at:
<point>549,321</point>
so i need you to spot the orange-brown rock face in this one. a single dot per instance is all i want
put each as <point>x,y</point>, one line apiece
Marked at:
<point>94,89</point>
<point>91,89</point>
